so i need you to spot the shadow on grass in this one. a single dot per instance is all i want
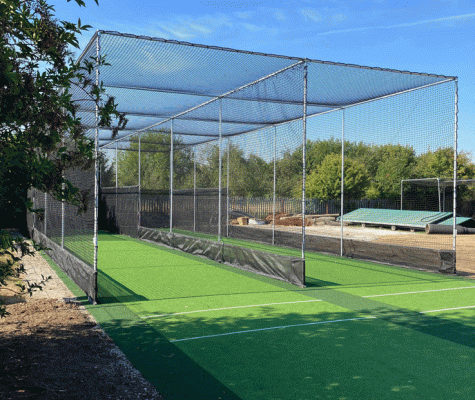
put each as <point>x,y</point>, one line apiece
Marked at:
<point>111,291</point>
<point>175,374</point>
<point>267,354</point>
<point>462,333</point>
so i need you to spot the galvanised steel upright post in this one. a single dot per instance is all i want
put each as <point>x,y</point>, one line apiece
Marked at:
<point>455,167</point>
<point>273,191</point>
<point>439,194</point>
<point>402,180</point>
<point>139,211</point>
<point>171,176</point>
<point>34,208</point>
<point>304,153</point>
<point>96,175</point>
<point>46,215</point>
<point>227,189</point>
<point>342,196</point>
<point>220,167</point>
<point>62,216</point>
<point>194,189</point>
<point>116,179</point>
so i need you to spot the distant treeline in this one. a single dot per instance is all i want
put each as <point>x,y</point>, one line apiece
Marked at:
<point>371,171</point>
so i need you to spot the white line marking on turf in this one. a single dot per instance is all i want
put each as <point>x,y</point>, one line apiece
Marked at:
<point>446,309</point>
<point>228,308</point>
<point>272,328</point>
<point>420,291</point>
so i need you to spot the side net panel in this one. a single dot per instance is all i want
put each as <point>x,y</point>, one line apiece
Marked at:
<point>407,136</point>
<point>39,204</point>
<point>79,222</point>
<point>119,188</point>
<point>67,230</point>
<point>204,202</point>
<point>53,211</point>
<point>265,165</point>
<point>465,198</point>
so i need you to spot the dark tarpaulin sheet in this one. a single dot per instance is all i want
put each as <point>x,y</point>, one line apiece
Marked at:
<point>155,235</point>
<point>414,257</point>
<point>285,268</point>
<point>81,273</point>
<point>198,246</point>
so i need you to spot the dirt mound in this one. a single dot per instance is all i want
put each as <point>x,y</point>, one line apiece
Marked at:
<point>285,219</point>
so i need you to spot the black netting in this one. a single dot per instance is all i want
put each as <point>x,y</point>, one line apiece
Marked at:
<point>118,211</point>
<point>68,230</point>
<point>79,222</point>
<point>209,152</point>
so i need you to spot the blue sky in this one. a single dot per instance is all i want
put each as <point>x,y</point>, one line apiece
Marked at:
<point>434,36</point>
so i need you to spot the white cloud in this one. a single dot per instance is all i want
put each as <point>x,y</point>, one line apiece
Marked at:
<point>199,27</point>
<point>449,20</point>
<point>311,14</point>
<point>186,27</point>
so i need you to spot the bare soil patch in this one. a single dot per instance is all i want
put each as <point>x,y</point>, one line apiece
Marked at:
<point>54,349</point>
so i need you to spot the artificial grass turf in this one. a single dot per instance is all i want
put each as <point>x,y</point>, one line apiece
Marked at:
<point>402,354</point>
<point>162,363</point>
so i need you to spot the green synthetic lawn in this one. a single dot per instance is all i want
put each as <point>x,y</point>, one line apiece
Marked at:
<point>201,330</point>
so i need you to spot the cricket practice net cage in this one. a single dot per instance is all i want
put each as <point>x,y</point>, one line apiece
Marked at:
<point>225,151</point>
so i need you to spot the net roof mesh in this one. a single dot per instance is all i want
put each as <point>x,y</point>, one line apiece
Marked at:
<point>155,80</point>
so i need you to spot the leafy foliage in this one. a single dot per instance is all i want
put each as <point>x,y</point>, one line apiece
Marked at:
<point>41,135</point>
<point>325,182</point>
<point>371,171</point>
<point>154,162</point>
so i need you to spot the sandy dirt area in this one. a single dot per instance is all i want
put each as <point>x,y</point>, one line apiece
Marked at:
<point>52,348</point>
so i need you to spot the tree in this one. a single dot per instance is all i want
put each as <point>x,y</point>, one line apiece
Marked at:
<point>289,174</point>
<point>248,176</point>
<point>440,164</point>
<point>325,183</point>
<point>391,163</point>
<point>41,135</point>
<point>154,162</point>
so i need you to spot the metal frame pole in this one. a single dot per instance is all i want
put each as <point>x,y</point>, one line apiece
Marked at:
<point>342,197</point>
<point>304,153</point>
<point>116,178</point>
<point>455,166</point>
<point>34,208</point>
<point>194,189</point>
<point>46,215</point>
<point>274,186</point>
<point>402,180</point>
<point>96,176</point>
<point>171,176</point>
<point>438,192</point>
<point>220,167</point>
<point>227,188</point>
<point>139,212</point>
<point>62,217</point>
